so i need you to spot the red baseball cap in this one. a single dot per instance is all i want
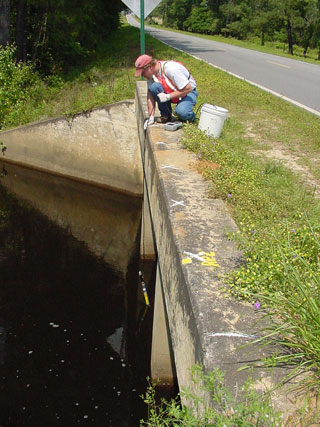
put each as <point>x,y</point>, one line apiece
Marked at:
<point>141,62</point>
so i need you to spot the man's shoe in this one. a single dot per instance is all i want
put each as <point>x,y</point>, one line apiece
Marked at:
<point>163,119</point>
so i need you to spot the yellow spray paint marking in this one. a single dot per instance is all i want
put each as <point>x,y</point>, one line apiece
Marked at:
<point>209,259</point>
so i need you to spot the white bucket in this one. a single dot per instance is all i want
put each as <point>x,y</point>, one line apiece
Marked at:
<point>212,119</point>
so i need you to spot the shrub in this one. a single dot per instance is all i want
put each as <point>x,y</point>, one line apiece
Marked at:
<point>248,408</point>
<point>18,84</point>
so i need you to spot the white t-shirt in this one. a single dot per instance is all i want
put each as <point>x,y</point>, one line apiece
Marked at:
<point>177,73</point>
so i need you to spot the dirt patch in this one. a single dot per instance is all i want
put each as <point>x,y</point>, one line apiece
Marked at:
<point>258,126</point>
<point>262,130</point>
<point>250,133</point>
<point>201,165</point>
<point>291,161</point>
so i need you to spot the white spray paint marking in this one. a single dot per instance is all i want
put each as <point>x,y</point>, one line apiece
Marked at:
<point>169,167</point>
<point>232,334</point>
<point>195,256</point>
<point>175,203</point>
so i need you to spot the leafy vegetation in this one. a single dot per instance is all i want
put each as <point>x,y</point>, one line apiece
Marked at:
<point>26,96</point>
<point>295,317</point>
<point>267,203</point>
<point>247,409</point>
<point>18,84</point>
<point>59,34</point>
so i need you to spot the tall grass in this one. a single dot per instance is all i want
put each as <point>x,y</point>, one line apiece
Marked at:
<point>294,316</point>
<point>248,408</point>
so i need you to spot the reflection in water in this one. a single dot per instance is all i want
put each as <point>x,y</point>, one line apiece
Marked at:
<point>3,335</point>
<point>107,222</point>
<point>71,352</point>
<point>116,340</point>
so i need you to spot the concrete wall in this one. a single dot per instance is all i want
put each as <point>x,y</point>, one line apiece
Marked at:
<point>189,231</point>
<point>99,147</point>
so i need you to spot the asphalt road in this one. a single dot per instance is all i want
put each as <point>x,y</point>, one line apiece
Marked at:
<point>296,81</point>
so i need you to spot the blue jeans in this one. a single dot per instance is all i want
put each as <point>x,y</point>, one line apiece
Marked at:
<point>184,108</point>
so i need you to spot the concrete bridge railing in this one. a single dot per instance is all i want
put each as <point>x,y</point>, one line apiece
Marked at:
<point>188,232</point>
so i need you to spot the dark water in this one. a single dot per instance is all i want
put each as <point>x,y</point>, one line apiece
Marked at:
<point>74,347</point>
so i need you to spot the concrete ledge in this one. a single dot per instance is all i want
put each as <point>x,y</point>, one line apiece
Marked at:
<point>188,226</point>
<point>100,147</point>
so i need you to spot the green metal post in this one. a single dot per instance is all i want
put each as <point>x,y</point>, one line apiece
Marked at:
<point>142,34</point>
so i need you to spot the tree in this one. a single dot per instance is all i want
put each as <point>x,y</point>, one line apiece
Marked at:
<point>290,11</point>
<point>238,17</point>
<point>39,28</point>
<point>180,9</point>
<point>162,12</point>
<point>316,34</point>
<point>4,22</point>
<point>311,18</point>
<point>53,32</point>
<point>21,39</point>
<point>264,19</point>
<point>201,19</point>
<point>294,21</point>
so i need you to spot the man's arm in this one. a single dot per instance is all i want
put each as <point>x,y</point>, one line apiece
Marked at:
<point>151,108</point>
<point>150,104</point>
<point>181,93</point>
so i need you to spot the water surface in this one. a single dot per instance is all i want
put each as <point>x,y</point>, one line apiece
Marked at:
<point>74,348</point>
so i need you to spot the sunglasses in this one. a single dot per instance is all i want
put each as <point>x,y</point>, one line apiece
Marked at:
<point>145,67</point>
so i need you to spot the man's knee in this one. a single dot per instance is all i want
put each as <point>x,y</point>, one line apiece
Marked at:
<point>185,114</point>
<point>155,88</point>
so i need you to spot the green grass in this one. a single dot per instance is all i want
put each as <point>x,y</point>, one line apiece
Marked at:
<point>269,206</point>
<point>274,207</point>
<point>277,213</point>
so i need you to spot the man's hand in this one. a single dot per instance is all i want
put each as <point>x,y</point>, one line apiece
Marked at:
<point>148,122</point>
<point>164,97</point>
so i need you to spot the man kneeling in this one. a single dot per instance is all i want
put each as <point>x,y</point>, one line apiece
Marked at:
<point>168,82</point>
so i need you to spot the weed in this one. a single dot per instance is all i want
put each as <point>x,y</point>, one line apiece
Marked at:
<point>294,311</point>
<point>3,148</point>
<point>246,409</point>
<point>268,206</point>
